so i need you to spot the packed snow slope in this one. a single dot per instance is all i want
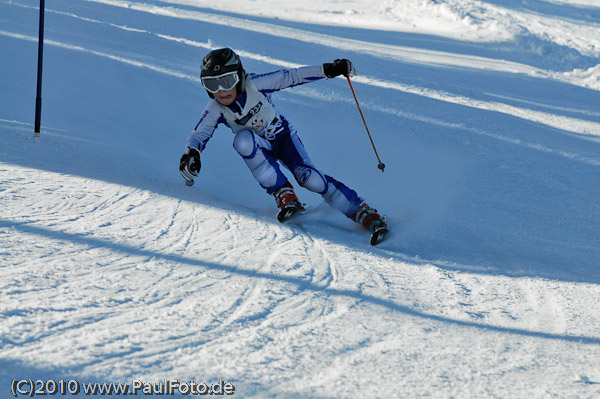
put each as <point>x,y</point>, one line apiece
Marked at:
<point>485,113</point>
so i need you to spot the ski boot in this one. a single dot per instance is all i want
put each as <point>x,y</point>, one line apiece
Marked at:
<point>372,221</point>
<point>287,202</point>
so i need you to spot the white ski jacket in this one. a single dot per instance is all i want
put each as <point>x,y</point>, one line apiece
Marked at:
<point>253,109</point>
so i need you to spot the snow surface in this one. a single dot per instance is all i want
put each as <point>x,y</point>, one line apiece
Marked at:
<point>485,113</point>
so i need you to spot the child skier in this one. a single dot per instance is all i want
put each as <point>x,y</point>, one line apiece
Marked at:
<point>263,137</point>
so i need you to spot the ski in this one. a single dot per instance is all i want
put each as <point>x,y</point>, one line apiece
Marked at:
<point>378,235</point>
<point>378,229</point>
<point>289,211</point>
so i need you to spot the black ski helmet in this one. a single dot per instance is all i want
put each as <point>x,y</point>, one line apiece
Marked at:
<point>221,61</point>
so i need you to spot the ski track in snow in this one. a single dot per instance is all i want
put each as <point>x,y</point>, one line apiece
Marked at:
<point>298,278</point>
<point>113,282</point>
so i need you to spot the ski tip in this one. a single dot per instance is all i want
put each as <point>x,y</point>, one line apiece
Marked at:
<point>378,235</point>
<point>284,215</point>
<point>288,213</point>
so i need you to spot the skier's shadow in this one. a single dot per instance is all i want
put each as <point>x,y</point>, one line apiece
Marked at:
<point>302,284</point>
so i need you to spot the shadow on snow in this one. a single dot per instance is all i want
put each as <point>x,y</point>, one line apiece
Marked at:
<point>302,285</point>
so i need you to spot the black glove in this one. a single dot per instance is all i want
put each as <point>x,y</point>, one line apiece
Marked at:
<point>339,67</point>
<point>190,164</point>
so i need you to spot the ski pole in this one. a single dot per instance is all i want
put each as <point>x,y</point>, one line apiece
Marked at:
<point>381,164</point>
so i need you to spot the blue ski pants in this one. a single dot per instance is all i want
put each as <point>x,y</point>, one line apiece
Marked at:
<point>263,156</point>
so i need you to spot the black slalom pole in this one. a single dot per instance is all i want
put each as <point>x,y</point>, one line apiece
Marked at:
<point>38,98</point>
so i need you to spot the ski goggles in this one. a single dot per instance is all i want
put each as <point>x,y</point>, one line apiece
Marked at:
<point>224,82</point>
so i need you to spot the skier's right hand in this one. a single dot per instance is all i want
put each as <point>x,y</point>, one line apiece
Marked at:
<point>189,164</point>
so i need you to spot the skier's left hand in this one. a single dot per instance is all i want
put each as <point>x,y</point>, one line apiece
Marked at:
<point>339,67</point>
